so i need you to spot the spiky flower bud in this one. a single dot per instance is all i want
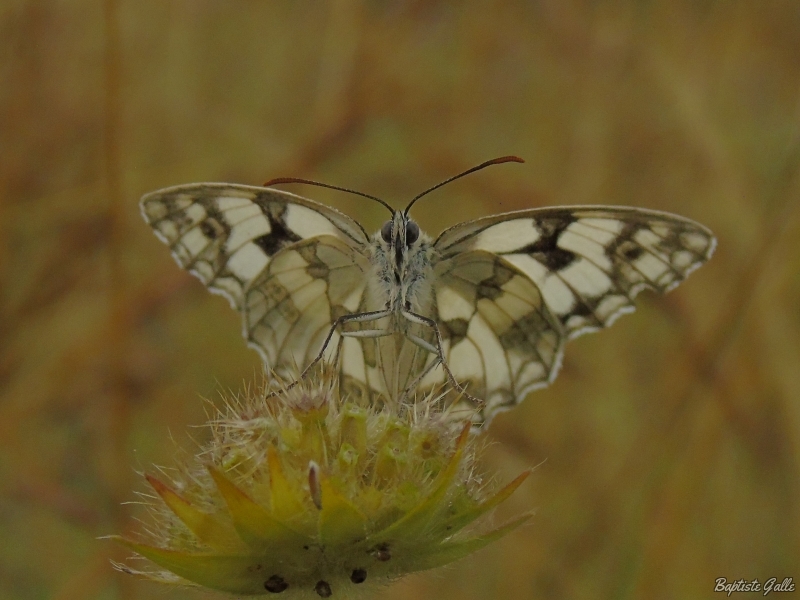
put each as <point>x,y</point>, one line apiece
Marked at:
<point>306,495</point>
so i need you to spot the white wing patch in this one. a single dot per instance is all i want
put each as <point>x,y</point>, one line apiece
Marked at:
<point>247,262</point>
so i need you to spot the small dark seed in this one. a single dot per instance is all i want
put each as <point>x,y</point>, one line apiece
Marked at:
<point>275,584</point>
<point>358,576</point>
<point>323,589</point>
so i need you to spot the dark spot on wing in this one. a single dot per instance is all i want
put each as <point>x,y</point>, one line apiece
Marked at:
<point>171,207</point>
<point>277,297</point>
<point>581,308</point>
<point>487,290</point>
<point>212,228</point>
<point>631,250</point>
<point>491,288</point>
<point>623,245</point>
<point>215,226</point>
<point>278,237</point>
<point>316,268</point>
<point>670,243</point>
<point>556,259</point>
<point>525,331</point>
<point>513,337</point>
<point>546,249</point>
<point>216,229</point>
<point>455,330</point>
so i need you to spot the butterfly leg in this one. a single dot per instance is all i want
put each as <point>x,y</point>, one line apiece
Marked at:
<point>434,363</point>
<point>438,350</point>
<point>352,318</point>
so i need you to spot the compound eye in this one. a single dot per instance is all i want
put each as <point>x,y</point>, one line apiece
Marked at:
<point>412,233</point>
<point>386,232</point>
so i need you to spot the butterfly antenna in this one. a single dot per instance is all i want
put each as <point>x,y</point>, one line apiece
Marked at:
<point>494,161</point>
<point>279,180</point>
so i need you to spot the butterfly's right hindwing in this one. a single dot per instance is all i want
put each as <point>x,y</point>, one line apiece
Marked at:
<point>290,308</point>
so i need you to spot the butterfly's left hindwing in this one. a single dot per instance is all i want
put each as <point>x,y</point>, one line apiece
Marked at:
<point>288,264</point>
<point>499,338</point>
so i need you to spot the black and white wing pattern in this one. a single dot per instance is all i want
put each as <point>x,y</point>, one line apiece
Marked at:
<point>511,289</point>
<point>288,264</point>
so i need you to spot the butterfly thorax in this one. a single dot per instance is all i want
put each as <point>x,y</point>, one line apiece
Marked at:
<point>399,282</point>
<point>402,257</point>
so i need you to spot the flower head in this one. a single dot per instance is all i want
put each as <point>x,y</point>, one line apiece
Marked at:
<point>304,494</point>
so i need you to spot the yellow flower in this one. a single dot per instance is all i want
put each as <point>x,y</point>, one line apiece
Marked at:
<point>303,494</point>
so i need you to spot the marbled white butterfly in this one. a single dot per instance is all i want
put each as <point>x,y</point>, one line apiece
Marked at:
<point>487,305</point>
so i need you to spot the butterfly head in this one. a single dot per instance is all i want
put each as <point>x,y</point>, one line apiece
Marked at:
<point>399,235</point>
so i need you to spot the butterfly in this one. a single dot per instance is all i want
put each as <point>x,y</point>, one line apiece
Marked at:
<point>486,306</point>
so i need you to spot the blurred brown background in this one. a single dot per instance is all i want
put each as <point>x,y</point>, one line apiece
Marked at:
<point>669,447</point>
